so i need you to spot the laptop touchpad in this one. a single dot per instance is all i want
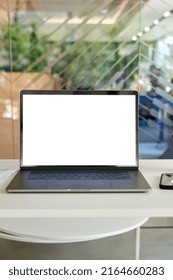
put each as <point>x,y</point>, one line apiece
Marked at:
<point>79,184</point>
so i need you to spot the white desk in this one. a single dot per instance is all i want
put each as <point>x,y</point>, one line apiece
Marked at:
<point>79,217</point>
<point>157,203</point>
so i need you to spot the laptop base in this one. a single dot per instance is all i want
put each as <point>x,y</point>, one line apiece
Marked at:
<point>22,184</point>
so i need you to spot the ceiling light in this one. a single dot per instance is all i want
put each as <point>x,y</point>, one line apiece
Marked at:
<point>75,20</point>
<point>134,38</point>
<point>140,34</point>
<point>104,11</point>
<point>94,20</point>
<point>167,14</point>
<point>147,28</point>
<point>156,21</point>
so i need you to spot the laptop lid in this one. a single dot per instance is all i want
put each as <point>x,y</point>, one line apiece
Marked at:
<point>79,129</point>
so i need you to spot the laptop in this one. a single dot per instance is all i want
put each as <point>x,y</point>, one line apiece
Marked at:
<point>78,141</point>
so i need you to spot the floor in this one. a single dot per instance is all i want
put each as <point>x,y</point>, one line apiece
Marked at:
<point>156,244</point>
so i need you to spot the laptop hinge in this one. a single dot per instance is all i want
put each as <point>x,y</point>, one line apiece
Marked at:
<point>79,167</point>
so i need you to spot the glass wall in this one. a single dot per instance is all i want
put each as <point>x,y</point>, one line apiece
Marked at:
<point>78,44</point>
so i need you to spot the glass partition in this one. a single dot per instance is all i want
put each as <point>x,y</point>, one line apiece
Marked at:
<point>78,44</point>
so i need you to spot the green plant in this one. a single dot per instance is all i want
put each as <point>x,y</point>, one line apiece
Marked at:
<point>92,64</point>
<point>22,47</point>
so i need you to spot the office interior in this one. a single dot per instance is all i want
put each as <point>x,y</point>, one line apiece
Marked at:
<point>78,44</point>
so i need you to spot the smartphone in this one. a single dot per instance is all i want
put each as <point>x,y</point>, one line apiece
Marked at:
<point>166,181</point>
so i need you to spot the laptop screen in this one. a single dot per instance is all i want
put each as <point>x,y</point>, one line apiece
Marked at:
<point>77,129</point>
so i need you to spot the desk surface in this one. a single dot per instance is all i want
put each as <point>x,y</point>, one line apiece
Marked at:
<point>157,203</point>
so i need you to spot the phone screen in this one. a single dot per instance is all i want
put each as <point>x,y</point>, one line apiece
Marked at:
<point>166,181</point>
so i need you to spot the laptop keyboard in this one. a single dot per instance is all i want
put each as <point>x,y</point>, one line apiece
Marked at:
<point>78,175</point>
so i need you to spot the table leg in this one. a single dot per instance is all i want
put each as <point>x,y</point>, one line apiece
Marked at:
<point>137,245</point>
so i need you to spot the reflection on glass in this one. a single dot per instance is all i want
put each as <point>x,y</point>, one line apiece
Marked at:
<point>89,45</point>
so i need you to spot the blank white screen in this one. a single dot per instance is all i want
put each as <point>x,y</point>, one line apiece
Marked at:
<point>79,130</point>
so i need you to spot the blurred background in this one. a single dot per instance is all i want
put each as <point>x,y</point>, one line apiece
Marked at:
<point>93,44</point>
